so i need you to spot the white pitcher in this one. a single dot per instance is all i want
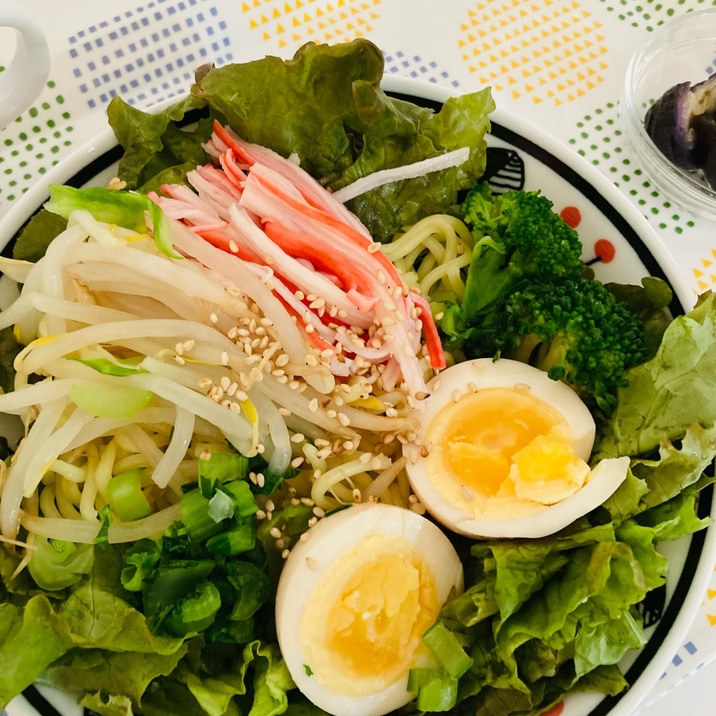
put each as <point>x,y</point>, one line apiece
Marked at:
<point>26,74</point>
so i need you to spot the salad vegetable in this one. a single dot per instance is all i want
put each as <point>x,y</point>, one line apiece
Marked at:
<point>218,354</point>
<point>529,296</point>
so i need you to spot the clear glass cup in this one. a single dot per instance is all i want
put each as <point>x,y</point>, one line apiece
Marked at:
<point>681,50</point>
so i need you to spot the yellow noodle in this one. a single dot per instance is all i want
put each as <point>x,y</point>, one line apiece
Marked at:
<point>103,473</point>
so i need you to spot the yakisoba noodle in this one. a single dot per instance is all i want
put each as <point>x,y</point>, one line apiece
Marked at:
<point>204,350</point>
<point>433,255</point>
<point>67,458</point>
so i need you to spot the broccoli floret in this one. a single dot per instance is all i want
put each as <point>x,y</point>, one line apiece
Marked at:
<point>518,235</point>
<point>578,332</point>
<point>529,296</point>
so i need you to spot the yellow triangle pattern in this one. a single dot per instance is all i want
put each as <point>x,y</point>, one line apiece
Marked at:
<point>705,276</point>
<point>293,22</point>
<point>545,52</point>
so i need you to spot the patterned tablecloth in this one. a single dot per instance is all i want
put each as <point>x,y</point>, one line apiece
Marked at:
<point>560,63</point>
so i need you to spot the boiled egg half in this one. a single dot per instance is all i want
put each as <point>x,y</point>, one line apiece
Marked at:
<point>353,602</point>
<point>503,450</point>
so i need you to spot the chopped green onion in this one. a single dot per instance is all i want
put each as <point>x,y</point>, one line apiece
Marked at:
<point>108,400</point>
<point>57,564</point>
<point>436,690</point>
<point>195,612</point>
<point>447,650</point>
<point>221,506</point>
<point>140,560</point>
<point>234,541</point>
<point>105,515</point>
<point>240,493</point>
<point>221,467</point>
<point>171,583</point>
<point>125,496</point>
<point>194,514</point>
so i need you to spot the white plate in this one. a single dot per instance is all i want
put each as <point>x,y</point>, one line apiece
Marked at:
<point>621,246</point>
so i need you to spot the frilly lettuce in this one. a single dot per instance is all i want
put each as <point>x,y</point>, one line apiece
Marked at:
<point>546,616</point>
<point>671,392</point>
<point>325,105</point>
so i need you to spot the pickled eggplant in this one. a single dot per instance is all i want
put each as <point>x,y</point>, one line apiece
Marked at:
<point>682,124</point>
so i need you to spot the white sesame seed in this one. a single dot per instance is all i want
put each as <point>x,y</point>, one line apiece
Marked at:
<point>311,564</point>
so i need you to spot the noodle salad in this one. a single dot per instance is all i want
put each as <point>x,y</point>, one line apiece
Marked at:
<point>228,348</point>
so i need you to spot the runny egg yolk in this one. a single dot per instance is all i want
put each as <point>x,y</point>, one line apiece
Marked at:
<point>503,442</point>
<point>382,597</point>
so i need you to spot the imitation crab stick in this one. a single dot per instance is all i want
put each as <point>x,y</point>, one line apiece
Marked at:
<point>325,268</point>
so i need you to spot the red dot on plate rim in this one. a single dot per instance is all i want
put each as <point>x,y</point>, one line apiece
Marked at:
<point>604,250</point>
<point>571,216</point>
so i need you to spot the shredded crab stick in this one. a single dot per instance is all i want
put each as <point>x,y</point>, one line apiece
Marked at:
<point>321,263</point>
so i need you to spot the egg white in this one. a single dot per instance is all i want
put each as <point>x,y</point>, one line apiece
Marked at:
<point>497,516</point>
<point>331,538</point>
